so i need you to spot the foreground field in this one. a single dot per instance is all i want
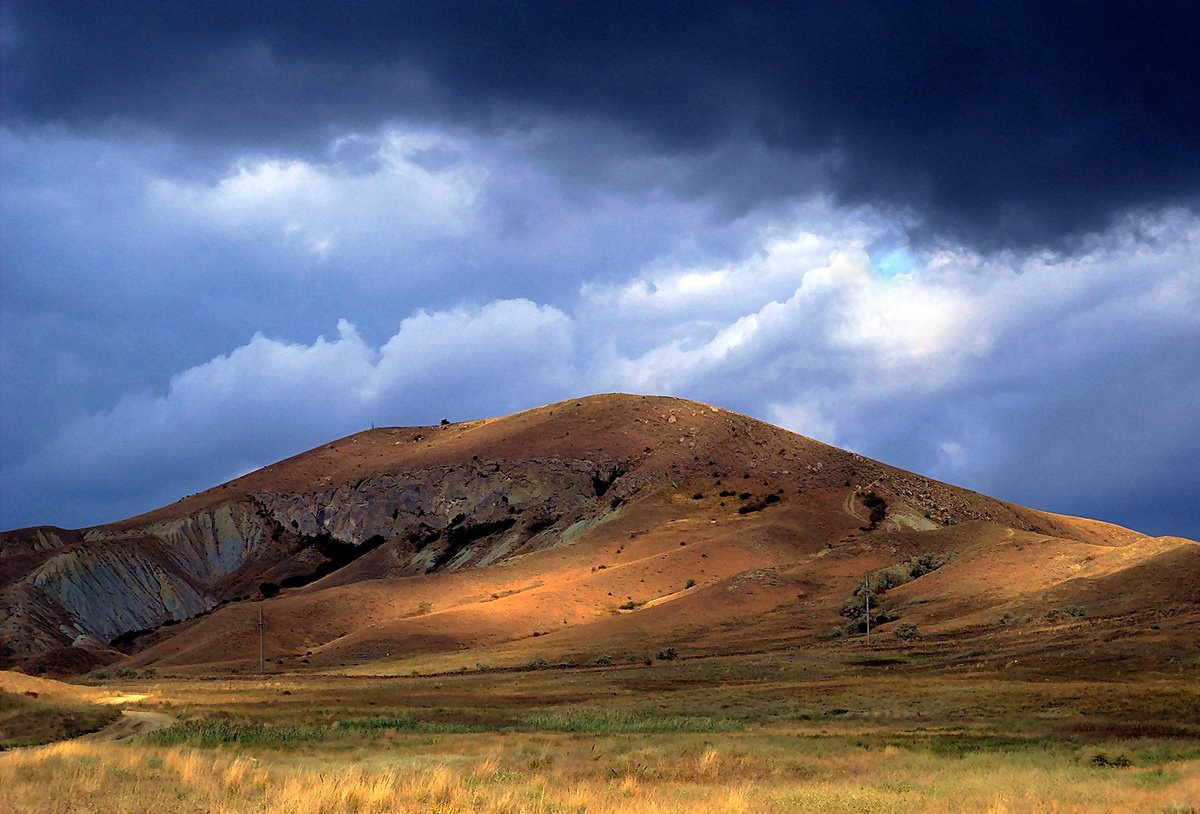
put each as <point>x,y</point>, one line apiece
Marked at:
<point>726,736</point>
<point>768,772</point>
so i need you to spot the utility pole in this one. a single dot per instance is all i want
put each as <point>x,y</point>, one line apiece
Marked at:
<point>867,596</point>
<point>261,663</point>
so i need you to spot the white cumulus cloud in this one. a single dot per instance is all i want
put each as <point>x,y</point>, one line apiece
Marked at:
<point>269,398</point>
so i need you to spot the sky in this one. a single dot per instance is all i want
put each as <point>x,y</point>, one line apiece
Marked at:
<point>961,238</point>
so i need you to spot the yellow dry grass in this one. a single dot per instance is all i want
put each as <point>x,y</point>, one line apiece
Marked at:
<point>527,774</point>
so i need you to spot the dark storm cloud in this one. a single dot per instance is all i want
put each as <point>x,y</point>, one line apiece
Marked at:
<point>998,123</point>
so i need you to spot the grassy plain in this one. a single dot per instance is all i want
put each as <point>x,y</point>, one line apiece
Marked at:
<point>726,735</point>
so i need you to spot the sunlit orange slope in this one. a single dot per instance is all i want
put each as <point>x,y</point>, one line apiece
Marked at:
<point>615,526</point>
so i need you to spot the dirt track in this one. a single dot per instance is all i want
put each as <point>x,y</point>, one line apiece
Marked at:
<point>132,722</point>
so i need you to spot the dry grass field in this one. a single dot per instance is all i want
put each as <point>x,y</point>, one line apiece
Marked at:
<point>722,735</point>
<point>776,771</point>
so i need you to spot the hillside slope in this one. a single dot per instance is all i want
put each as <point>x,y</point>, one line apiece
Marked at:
<point>606,524</point>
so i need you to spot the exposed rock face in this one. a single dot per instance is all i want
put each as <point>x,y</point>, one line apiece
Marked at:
<point>32,623</point>
<point>100,583</point>
<point>206,546</point>
<point>115,590</point>
<point>455,516</point>
<point>108,582</point>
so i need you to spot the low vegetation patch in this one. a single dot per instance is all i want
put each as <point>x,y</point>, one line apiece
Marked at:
<point>210,733</point>
<point>613,722</point>
<point>387,724</point>
<point>756,505</point>
<point>880,582</point>
<point>1069,612</point>
<point>214,733</point>
<point>963,744</point>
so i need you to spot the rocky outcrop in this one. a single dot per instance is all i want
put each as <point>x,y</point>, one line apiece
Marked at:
<point>456,516</point>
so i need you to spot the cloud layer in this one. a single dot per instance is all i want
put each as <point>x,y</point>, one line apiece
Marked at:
<point>957,237</point>
<point>1026,377</point>
<point>995,123</point>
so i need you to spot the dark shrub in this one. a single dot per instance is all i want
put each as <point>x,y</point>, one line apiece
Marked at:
<point>878,507</point>
<point>1101,760</point>
<point>853,608</point>
<point>337,553</point>
<point>459,537</point>
<point>602,482</point>
<point>541,524</point>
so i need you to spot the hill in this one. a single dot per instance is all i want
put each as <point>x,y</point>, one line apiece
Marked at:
<point>608,527</point>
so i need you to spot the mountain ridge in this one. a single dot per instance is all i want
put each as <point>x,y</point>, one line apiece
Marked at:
<point>404,520</point>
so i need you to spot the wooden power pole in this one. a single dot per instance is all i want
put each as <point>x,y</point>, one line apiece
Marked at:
<point>867,596</point>
<point>261,663</point>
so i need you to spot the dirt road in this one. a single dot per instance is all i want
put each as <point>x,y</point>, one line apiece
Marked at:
<point>131,723</point>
